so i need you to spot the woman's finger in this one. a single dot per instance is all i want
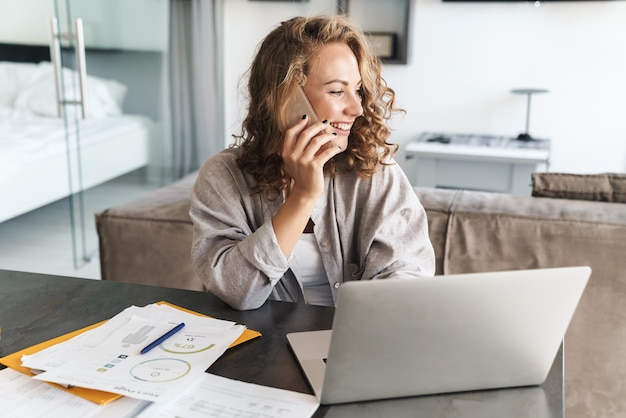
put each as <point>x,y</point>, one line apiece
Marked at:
<point>292,134</point>
<point>311,136</point>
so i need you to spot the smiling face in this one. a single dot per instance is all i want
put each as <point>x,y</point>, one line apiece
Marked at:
<point>333,87</point>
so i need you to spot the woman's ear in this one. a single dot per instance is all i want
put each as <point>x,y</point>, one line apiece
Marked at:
<point>301,77</point>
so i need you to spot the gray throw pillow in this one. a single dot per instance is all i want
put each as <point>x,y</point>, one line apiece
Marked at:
<point>605,187</point>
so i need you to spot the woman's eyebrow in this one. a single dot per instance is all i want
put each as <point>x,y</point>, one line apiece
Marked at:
<point>344,82</point>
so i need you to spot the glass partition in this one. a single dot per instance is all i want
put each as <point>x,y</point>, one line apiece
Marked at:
<point>109,60</point>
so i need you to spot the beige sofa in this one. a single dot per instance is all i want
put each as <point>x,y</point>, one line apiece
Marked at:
<point>148,241</point>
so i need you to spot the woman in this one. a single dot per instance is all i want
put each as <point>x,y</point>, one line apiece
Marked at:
<point>293,210</point>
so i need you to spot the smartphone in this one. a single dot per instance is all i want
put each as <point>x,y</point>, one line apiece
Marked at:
<point>299,106</point>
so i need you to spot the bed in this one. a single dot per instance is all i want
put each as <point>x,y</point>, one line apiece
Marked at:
<point>39,157</point>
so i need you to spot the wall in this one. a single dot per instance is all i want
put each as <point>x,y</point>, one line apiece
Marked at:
<point>25,22</point>
<point>465,58</point>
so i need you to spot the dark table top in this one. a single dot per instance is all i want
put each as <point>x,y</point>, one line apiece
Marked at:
<point>36,308</point>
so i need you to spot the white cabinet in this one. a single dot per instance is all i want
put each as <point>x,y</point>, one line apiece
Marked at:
<point>476,162</point>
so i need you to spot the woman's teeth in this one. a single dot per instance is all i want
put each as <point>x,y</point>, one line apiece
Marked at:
<point>341,126</point>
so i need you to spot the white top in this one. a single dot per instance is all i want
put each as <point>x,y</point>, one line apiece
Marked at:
<point>306,264</point>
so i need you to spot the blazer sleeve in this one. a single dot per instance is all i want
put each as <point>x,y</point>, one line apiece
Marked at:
<point>234,248</point>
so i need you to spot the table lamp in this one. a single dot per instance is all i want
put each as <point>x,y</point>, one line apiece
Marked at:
<point>525,136</point>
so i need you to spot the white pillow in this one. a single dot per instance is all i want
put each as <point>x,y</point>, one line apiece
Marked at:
<point>13,77</point>
<point>104,97</point>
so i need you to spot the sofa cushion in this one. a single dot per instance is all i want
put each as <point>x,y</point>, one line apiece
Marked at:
<point>489,231</point>
<point>607,187</point>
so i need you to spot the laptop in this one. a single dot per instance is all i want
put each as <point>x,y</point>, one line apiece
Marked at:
<point>406,337</point>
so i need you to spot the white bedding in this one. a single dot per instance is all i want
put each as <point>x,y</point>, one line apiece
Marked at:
<point>26,138</point>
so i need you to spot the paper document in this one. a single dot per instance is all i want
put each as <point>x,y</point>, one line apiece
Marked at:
<point>209,396</point>
<point>23,396</point>
<point>14,360</point>
<point>215,396</point>
<point>108,357</point>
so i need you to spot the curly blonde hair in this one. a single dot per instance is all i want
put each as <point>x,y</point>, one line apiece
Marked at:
<point>280,66</point>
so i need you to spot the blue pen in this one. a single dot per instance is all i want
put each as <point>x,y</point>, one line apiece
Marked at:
<point>162,338</point>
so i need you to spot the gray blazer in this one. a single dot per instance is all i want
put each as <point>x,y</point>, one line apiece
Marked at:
<point>373,228</point>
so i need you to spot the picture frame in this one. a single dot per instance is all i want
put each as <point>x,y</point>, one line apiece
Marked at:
<point>383,44</point>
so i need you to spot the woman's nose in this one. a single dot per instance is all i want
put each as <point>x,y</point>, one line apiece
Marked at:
<point>354,107</point>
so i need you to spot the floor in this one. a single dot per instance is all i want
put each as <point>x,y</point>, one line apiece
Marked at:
<point>41,241</point>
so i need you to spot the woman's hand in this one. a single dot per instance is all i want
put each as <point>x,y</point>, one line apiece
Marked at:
<point>304,152</point>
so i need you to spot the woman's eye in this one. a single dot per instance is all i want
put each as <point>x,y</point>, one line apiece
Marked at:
<point>337,92</point>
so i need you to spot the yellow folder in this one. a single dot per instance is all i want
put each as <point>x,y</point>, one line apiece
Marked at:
<point>14,360</point>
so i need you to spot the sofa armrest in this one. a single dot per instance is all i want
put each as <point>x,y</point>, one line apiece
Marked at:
<point>148,241</point>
